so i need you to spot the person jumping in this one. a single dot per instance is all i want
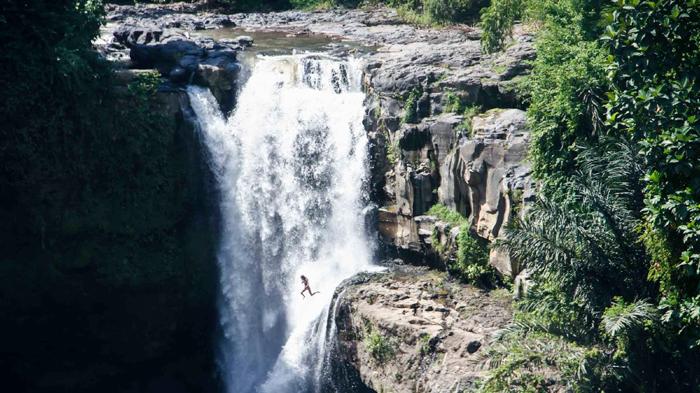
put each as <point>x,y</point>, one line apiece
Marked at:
<point>305,283</point>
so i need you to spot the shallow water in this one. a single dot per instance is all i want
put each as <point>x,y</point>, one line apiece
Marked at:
<point>273,42</point>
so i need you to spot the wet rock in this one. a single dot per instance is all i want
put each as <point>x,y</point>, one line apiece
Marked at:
<point>179,75</point>
<point>244,40</point>
<point>164,57</point>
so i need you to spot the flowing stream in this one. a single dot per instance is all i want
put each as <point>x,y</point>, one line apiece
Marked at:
<point>291,166</point>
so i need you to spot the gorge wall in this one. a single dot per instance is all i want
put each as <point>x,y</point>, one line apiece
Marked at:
<point>137,311</point>
<point>120,303</point>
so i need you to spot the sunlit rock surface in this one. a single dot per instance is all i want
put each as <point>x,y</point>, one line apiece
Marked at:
<point>413,330</point>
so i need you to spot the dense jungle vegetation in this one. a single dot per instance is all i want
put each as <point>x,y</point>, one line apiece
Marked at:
<point>613,243</point>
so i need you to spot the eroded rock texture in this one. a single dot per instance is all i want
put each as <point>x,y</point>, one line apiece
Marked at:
<point>422,119</point>
<point>414,330</point>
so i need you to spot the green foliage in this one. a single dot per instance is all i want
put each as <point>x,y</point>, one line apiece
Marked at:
<point>655,98</point>
<point>445,11</point>
<point>95,205</point>
<point>622,320</point>
<point>433,12</point>
<point>312,4</point>
<point>393,152</point>
<point>411,105</point>
<point>145,85</point>
<point>620,202</point>
<point>425,347</point>
<point>472,262</point>
<point>497,23</point>
<point>91,174</point>
<point>263,5</point>
<point>567,79</point>
<point>584,239</point>
<point>453,103</point>
<point>498,18</point>
<point>380,347</point>
<point>465,127</point>
<point>446,214</point>
<point>524,355</point>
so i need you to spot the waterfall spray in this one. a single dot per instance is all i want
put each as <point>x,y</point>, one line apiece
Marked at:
<point>291,165</point>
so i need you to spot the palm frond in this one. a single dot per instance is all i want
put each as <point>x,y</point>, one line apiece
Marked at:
<point>623,318</point>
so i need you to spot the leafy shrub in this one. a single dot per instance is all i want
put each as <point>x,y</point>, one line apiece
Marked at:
<point>497,23</point>
<point>444,11</point>
<point>465,127</point>
<point>446,214</point>
<point>393,152</point>
<point>524,355</point>
<point>655,98</point>
<point>473,260</point>
<point>379,347</point>
<point>425,348</point>
<point>411,106</point>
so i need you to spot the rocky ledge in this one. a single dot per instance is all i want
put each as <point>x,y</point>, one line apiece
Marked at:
<point>415,330</point>
<point>159,37</point>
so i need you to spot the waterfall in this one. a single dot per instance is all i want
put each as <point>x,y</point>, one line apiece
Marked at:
<point>291,166</point>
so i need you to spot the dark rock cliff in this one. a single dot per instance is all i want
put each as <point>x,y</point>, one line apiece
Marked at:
<point>125,305</point>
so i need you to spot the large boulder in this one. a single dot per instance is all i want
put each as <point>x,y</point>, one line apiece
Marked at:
<point>181,60</point>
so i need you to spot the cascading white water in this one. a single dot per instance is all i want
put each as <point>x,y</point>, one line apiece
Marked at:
<point>291,163</point>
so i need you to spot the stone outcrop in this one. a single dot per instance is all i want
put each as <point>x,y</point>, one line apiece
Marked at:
<point>413,330</point>
<point>160,39</point>
<point>487,178</point>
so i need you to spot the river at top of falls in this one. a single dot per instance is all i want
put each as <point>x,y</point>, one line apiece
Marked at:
<point>291,167</point>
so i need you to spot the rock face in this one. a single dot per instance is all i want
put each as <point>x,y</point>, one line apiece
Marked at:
<point>487,178</point>
<point>412,330</point>
<point>159,39</point>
